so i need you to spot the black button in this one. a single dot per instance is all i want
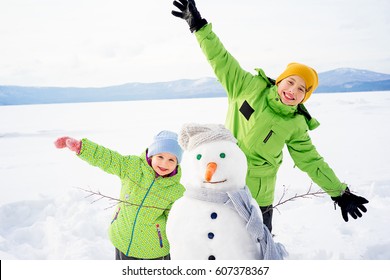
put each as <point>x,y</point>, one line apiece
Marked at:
<point>210,235</point>
<point>213,215</point>
<point>211,257</point>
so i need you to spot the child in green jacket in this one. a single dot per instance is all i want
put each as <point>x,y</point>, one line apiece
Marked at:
<point>150,185</point>
<point>264,115</point>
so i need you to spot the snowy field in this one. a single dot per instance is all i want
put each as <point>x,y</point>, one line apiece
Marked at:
<point>44,215</point>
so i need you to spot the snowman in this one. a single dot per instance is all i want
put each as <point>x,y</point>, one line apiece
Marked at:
<point>217,218</point>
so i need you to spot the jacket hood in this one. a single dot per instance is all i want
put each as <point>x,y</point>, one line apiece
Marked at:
<point>312,123</point>
<point>261,73</point>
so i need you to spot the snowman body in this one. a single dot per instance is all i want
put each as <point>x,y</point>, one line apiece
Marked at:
<point>202,230</point>
<point>199,229</point>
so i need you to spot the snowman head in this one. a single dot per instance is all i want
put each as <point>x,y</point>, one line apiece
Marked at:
<point>214,159</point>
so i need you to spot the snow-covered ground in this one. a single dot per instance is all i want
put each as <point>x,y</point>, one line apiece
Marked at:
<point>45,215</point>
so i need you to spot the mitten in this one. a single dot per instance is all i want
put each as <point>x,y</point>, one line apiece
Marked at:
<point>190,14</point>
<point>68,142</point>
<point>350,204</point>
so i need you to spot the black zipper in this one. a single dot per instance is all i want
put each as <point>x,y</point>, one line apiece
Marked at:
<point>268,136</point>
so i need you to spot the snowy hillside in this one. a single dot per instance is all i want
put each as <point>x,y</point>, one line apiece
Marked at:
<point>45,215</point>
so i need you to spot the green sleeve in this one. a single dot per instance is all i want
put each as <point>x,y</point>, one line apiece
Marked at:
<point>106,159</point>
<point>226,68</point>
<point>306,158</point>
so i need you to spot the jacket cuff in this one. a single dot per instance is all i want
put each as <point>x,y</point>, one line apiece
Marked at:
<point>202,33</point>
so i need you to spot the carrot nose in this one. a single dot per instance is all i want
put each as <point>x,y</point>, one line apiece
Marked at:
<point>210,170</point>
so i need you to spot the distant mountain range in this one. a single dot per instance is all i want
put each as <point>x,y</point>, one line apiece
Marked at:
<point>338,80</point>
<point>352,80</point>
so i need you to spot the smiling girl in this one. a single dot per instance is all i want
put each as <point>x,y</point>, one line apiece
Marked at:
<point>150,185</point>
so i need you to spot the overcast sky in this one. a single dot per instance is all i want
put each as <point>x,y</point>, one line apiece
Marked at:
<point>94,43</point>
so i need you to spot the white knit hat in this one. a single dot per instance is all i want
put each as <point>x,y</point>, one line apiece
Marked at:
<point>192,135</point>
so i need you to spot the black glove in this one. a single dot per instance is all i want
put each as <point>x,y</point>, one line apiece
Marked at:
<point>189,13</point>
<point>350,203</point>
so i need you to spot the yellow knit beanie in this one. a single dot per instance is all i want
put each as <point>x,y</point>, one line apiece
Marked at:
<point>305,72</point>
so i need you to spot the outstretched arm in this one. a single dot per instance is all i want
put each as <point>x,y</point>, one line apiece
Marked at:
<point>227,69</point>
<point>308,159</point>
<point>109,161</point>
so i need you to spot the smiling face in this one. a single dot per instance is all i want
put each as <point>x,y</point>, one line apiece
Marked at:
<point>219,165</point>
<point>164,163</point>
<point>292,90</point>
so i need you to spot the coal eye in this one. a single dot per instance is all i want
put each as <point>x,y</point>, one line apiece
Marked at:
<point>199,156</point>
<point>222,155</point>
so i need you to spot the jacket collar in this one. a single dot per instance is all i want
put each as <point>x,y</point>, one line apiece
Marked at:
<point>276,104</point>
<point>278,107</point>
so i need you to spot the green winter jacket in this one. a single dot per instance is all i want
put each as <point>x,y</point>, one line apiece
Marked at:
<point>138,226</point>
<point>262,124</point>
